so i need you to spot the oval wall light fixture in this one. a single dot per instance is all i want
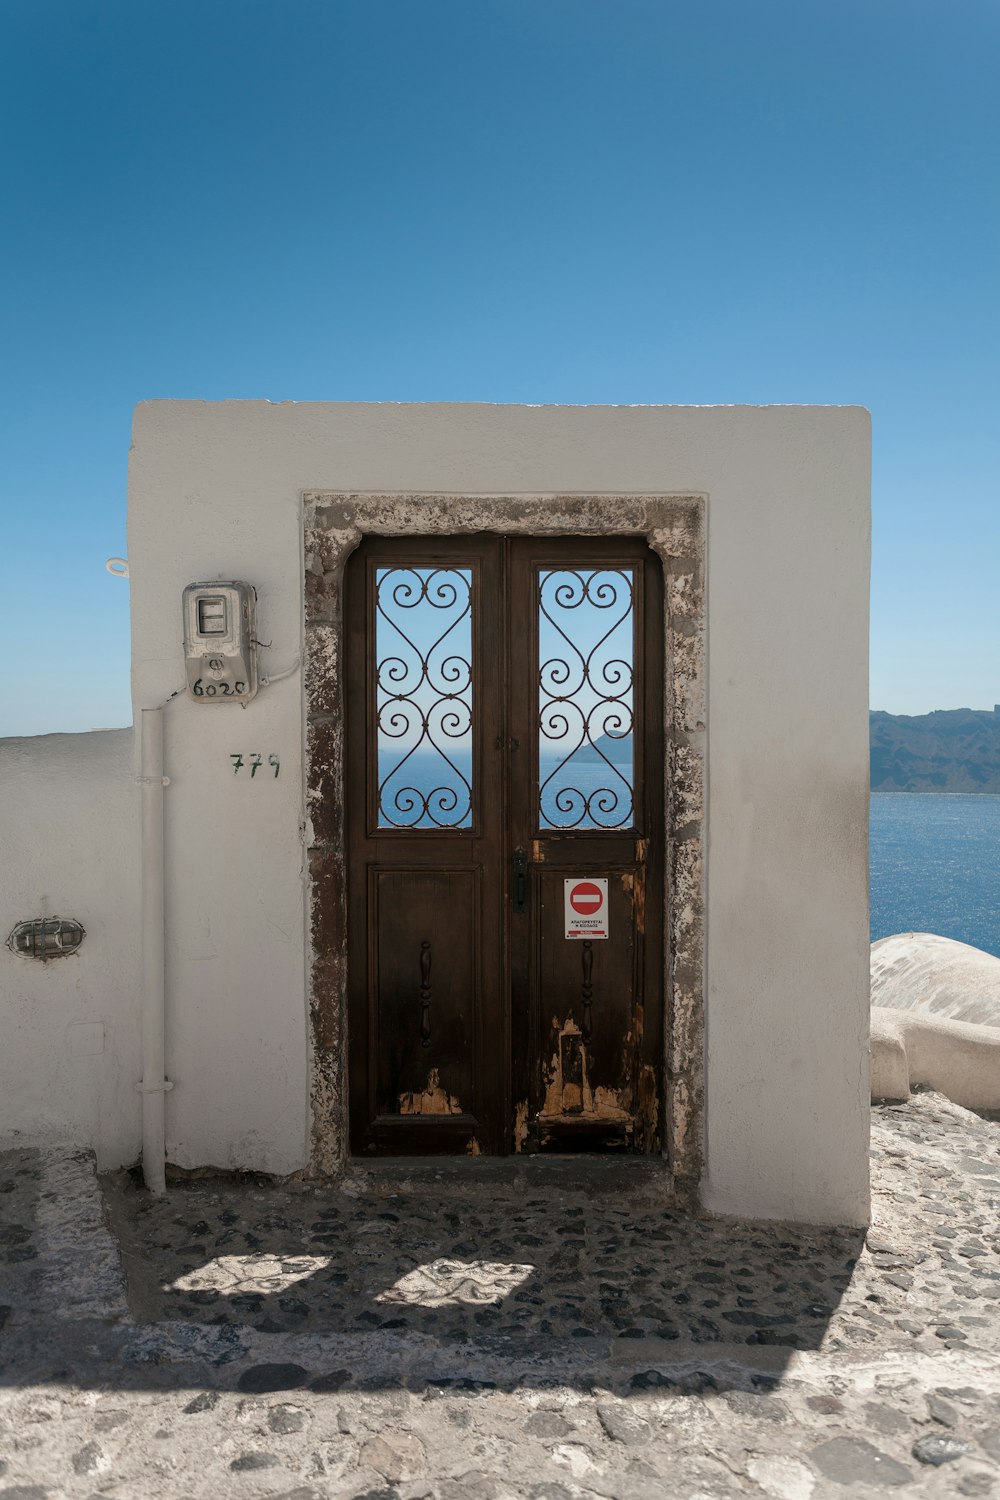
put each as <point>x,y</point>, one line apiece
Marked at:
<point>46,937</point>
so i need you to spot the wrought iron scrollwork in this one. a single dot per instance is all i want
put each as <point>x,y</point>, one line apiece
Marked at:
<point>586,681</point>
<point>423,696</point>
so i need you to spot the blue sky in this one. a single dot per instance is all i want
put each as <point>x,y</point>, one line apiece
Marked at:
<point>504,200</point>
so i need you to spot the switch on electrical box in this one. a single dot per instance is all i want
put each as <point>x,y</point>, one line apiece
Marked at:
<point>220,646</point>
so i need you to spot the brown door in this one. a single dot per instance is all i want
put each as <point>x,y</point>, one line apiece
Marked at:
<point>505,845</point>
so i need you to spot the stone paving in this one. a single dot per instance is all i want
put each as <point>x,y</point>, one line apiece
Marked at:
<point>548,1336</point>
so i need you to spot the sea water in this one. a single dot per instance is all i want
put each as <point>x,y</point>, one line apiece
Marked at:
<point>935,866</point>
<point>427,789</point>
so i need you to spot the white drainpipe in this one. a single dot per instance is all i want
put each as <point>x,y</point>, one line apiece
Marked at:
<point>154,1086</point>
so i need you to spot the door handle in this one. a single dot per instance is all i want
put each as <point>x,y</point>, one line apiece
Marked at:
<point>425,993</point>
<point>519,887</point>
<point>587,992</point>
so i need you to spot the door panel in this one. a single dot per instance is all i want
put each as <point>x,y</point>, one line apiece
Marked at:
<point>586,994</point>
<point>587,625</point>
<point>504,736</point>
<point>424,990</point>
<point>424,848</point>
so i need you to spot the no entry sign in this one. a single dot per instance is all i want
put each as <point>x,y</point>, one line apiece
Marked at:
<point>586,907</point>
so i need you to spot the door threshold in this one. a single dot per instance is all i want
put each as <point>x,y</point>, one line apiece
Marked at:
<point>566,1172</point>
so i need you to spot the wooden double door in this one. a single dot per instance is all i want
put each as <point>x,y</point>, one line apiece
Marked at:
<point>505,775</point>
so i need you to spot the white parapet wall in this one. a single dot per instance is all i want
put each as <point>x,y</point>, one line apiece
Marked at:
<point>69,1059</point>
<point>912,1049</point>
<point>216,492</point>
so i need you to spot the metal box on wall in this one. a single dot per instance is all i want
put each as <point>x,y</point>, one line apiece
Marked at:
<point>220,645</point>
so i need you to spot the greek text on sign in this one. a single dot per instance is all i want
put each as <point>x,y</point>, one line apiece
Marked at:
<point>586,903</point>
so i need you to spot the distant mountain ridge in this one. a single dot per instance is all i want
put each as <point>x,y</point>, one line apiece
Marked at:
<point>950,750</point>
<point>616,748</point>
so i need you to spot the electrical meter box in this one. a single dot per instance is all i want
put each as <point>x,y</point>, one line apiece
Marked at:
<point>220,643</point>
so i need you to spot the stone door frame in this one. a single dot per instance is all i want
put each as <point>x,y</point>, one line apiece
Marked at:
<point>674,528</point>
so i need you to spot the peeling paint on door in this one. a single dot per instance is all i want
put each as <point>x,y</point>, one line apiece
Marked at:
<point>568,1091</point>
<point>648,1112</point>
<point>520,1125</point>
<point>434,1100</point>
<point>634,886</point>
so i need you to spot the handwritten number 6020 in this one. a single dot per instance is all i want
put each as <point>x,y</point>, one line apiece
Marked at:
<point>201,689</point>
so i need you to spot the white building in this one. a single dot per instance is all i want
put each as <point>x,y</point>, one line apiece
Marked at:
<point>545,830</point>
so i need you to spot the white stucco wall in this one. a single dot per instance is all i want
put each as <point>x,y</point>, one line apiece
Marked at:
<point>215,491</point>
<point>69,1058</point>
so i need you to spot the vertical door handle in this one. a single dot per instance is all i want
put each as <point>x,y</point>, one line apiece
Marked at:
<point>587,992</point>
<point>425,993</point>
<point>519,888</point>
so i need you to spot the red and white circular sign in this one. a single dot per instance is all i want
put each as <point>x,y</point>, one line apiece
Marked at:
<point>586,898</point>
<point>586,907</point>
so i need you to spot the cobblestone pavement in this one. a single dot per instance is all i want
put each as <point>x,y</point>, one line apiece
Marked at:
<point>390,1340</point>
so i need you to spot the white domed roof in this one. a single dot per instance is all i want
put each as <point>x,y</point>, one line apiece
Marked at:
<point>920,971</point>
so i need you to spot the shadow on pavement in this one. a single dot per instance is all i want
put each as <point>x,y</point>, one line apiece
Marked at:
<point>20,1178</point>
<point>271,1288</point>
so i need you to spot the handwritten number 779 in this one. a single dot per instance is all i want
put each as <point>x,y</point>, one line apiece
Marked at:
<point>255,763</point>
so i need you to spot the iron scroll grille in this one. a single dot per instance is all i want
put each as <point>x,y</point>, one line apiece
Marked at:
<point>586,710</point>
<point>423,696</point>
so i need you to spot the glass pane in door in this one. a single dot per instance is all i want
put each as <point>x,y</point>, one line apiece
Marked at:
<point>586,677</point>
<point>423,696</point>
